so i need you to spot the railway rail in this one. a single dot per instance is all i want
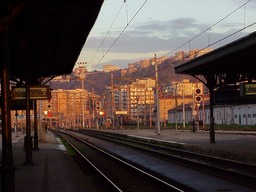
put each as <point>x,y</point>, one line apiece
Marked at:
<point>235,171</point>
<point>114,173</point>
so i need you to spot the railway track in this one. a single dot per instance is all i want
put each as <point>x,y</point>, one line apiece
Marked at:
<point>116,174</point>
<point>235,171</point>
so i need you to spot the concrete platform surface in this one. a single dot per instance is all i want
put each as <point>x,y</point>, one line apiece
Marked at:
<point>53,169</point>
<point>240,143</point>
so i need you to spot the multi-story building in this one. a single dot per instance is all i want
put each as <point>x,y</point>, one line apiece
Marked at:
<point>184,87</point>
<point>70,108</point>
<point>135,100</point>
<point>131,68</point>
<point>145,63</point>
<point>109,68</point>
<point>185,95</point>
<point>180,55</point>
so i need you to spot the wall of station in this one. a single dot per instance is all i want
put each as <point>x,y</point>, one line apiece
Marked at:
<point>223,114</point>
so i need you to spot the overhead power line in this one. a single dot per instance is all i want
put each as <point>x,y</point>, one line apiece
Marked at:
<point>107,32</point>
<point>119,36</point>
<point>206,30</point>
<point>209,44</point>
<point>193,38</point>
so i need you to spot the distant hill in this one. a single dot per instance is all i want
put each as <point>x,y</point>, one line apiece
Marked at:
<point>166,75</point>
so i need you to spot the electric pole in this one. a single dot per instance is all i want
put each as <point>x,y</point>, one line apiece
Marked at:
<point>113,100</point>
<point>157,97</point>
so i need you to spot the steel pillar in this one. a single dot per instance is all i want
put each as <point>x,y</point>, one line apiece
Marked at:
<point>7,168</point>
<point>28,138</point>
<point>35,127</point>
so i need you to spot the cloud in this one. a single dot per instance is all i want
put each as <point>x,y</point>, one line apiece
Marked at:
<point>150,36</point>
<point>181,27</point>
<point>165,36</point>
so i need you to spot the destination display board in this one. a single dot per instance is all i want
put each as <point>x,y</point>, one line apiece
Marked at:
<point>232,96</point>
<point>247,89</point>
<point>36,93</point>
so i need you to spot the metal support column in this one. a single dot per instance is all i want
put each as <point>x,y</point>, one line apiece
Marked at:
<point>35,127</point>
<point>212,132</point>
<point>28,138</point>
<point>210,85</point>
<point>7,167</point>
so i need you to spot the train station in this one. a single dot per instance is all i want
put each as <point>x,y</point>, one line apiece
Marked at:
<point>31,57</point>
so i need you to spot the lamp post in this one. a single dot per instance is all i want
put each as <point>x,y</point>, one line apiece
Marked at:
<point>82,69</point>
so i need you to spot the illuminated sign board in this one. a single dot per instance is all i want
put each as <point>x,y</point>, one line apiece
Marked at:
<point>247,89</point>
<point>36,93</point>
<point>121,112</point>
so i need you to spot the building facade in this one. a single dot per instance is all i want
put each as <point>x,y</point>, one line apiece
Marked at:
<point>223,114</point>
<point>69,108</point>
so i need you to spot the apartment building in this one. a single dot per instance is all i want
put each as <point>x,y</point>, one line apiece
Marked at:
<point>109,68</point>
<point>70,108</point>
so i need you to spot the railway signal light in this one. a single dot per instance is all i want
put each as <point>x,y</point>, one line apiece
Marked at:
<point>198,91</point>
<point>97,105</point>
<point>49,103</point>
<point>197,97</point>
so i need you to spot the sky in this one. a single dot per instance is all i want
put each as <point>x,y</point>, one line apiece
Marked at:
<point>127,31</point>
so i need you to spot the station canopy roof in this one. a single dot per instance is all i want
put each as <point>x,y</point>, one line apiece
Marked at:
<point>46,36</point>
<point>230,64</point>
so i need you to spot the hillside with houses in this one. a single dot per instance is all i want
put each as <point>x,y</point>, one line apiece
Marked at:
<point>100,79</point>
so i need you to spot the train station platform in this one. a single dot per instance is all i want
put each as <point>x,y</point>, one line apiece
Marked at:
<point>54,169</point>
<point>238,145</point>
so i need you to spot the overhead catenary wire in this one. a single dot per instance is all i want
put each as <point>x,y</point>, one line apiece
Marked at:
<point>209,44</point>
<point>213,25</point>
<point>172,65</point>
<point>119,36</point>
<point>108,31</point>
<point>193,38</point>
